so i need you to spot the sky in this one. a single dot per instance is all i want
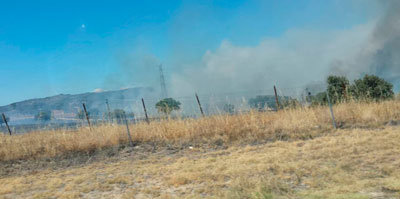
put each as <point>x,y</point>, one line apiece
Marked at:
<point>53,47</point>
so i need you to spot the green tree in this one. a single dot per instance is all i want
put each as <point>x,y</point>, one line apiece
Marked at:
<point>372,87</point>
<point>338,88</point>
<point>43,116</point>
<point>168,105</point>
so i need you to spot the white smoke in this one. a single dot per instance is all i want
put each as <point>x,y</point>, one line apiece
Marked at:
<point>294,60</point>
<point>300,57</point>
<point>380,54</point>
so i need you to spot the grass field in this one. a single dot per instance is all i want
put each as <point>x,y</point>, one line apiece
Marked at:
<point>294,153</point>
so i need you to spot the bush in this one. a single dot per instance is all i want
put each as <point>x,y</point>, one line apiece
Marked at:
<point>338,88</point>
<point>372,87</point>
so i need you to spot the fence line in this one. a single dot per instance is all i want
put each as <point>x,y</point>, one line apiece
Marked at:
<point>191,107</point>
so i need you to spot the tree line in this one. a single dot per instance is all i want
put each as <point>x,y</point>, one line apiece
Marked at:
<point>368,88</point>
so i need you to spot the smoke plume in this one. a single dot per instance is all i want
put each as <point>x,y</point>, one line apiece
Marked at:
<point>386,38</point>
<point>299,58</point>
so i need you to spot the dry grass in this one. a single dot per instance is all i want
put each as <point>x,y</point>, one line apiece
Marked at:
<point>347,164</point>
<point>301,156</point>
<point>291,124</point>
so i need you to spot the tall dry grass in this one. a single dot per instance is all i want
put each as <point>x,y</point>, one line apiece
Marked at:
<point>299,123</point>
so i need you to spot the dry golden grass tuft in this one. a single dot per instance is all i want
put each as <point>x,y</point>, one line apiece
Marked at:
<point>290,124</point>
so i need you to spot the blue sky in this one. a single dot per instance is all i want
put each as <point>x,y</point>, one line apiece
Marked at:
<point>53,47</point>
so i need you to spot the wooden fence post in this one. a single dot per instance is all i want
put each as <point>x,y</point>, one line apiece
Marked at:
<point>87,115</point>
<point>145,112</point>
<point>331,109</point>
<point>109,112</point>
<point>276,99</point>
<point>198,102</point>
<point>127,129</point>
<point>6,122</point>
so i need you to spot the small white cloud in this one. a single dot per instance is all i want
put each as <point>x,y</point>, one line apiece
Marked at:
<point>98,90</point>
<point>124,88</point>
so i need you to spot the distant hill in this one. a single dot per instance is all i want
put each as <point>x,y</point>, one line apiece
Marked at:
<point>67,105</point>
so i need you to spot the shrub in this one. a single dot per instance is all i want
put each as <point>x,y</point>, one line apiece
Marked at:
<point>372,87</point>
<point>337,88</point>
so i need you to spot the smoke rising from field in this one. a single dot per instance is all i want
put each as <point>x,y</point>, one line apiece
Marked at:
<point>300,58</point>
<point>380,54</point>
<point>386,38</point>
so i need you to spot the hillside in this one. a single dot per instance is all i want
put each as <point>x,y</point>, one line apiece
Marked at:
<point>294,153</point>
<point>65,104</point>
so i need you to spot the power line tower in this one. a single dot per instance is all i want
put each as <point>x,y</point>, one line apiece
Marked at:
<point>164,93</point>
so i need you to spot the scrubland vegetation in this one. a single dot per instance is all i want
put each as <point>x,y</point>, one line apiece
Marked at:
<point>292,153</point>
<point>253,127</point>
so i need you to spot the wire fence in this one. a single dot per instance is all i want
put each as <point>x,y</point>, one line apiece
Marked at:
<point>108,111</point>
